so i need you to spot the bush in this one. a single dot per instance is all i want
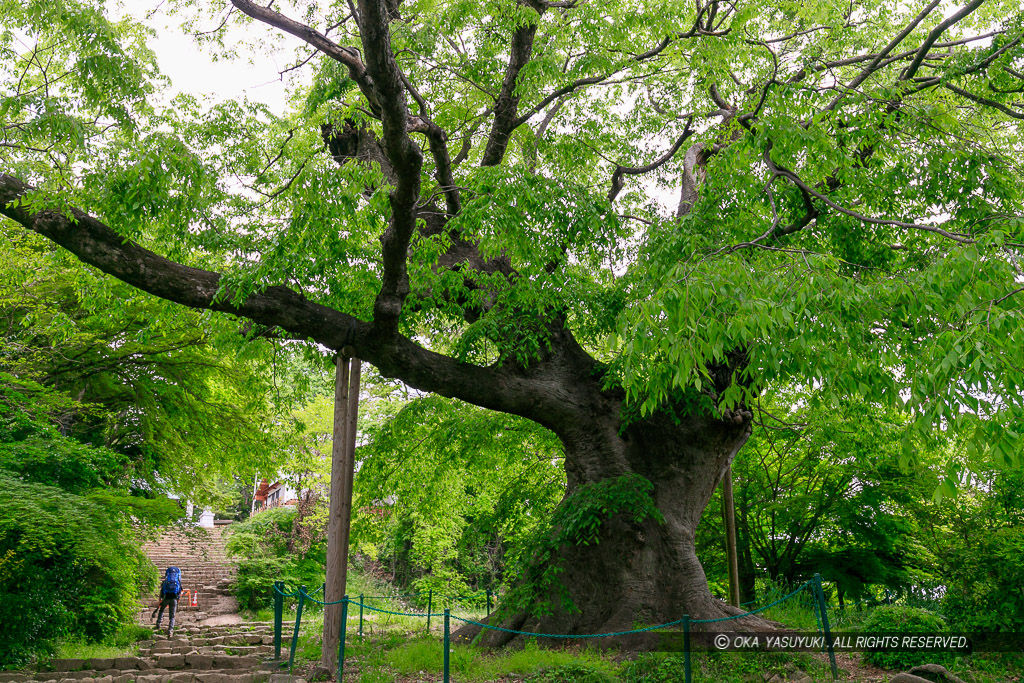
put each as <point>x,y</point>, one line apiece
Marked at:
<point>67,568</point>
<point>902,619</point>
<point>984,593</point>
<point>571,673</point>
<point>265,550</point>
<point>652,668</point>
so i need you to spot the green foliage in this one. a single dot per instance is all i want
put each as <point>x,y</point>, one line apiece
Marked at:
<point>270,547</point>
<point>447,493</point>
<point>571,673</point>
<point>978,541</point>
<point>903,619</point>
<point>68,568</point>
<point>103,386</point>
<point>653,668</point>
<point>33,446</point>
<point>579,518</point>
<point>831,496</point>
<point>859,243</point>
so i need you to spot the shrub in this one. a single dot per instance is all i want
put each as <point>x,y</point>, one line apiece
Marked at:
<point>67,568</point>
<point>984,592</point>
<point>263,547</point>
<point>902,619</point>
<point>571,673</point>
<point>652,668</point>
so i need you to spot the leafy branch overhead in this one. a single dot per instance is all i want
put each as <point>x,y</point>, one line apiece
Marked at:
<point>625,222</point>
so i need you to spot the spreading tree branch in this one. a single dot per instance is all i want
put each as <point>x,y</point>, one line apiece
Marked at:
<point>617,177</point>
<point>393,354</point>
<point>507,104</point>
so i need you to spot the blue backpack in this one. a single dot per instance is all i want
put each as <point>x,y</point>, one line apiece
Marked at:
<point>172,582</point>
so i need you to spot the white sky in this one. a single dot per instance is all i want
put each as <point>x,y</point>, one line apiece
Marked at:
<point>192,69</point>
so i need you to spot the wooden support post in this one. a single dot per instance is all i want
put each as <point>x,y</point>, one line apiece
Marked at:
<point>346,413</point>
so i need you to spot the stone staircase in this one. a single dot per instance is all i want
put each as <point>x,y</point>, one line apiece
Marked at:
<point>238,653</point>
<point>211,643</point>
<point>205,569</point>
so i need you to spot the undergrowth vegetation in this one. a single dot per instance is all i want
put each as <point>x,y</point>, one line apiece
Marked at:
<point>399,647</point>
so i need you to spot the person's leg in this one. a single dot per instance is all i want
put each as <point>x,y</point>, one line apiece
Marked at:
<point>160,610</point>
<point>172,608</point>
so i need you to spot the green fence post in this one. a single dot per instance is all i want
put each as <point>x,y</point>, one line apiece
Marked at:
<point>824,625</point>
<point>278,617</point>
<point>430,604</point>
<point>360,615</point>
<point>687,670</point>
<point>447,643</point>
<point>341,640</point>
<point>488,602</point>
<point>295,633</point>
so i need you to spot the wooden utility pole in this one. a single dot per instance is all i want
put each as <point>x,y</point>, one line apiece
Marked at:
<point>343,449</point>
<point>729,513</point>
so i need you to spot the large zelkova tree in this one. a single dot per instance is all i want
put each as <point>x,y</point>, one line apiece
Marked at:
<point>472,198</point>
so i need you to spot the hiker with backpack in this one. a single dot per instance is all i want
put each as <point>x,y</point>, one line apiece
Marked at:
<point>170,590</point>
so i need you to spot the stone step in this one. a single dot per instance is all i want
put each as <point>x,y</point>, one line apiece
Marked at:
<point>154,676</point>
<point>225,630</point>
<point>212,570</point>
<point>74,668</point>
<point>237,640</point>
<point>188,558</point>
<point>193,575</point>
<point>156,656</point>
<point>203,562</point>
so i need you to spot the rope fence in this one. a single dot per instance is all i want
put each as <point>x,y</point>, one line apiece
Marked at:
<point>813,585</point>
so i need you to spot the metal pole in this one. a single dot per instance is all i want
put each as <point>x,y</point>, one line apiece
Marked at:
<point>341,638</point>
<point>430,604</point>
<point>824,626</point>
<point>278,617</point>
<point>295,633</point>
<point>488,602</point>
<point>687,670</point>
<point>447,643</point>
<point>360,615</point>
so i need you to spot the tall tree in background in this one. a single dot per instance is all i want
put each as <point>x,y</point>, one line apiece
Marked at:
<point>468,199</point>
<point>828,495</point>
<point>449,495</point>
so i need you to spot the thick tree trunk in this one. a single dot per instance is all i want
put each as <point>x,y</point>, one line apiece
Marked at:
<point>646,573</point>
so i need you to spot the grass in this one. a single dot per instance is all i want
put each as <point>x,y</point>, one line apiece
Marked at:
<point>76,649</point>
<point>387,656</point>
<point>122,644</point>
<point>399,647</point>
